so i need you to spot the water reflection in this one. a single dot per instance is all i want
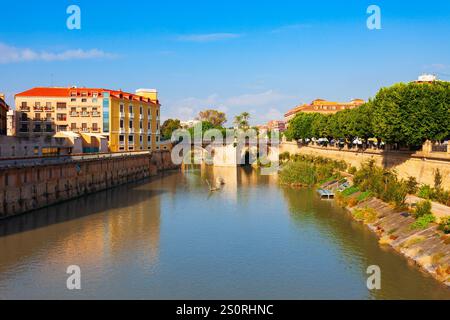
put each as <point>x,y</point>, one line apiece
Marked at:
<point>170,238</point>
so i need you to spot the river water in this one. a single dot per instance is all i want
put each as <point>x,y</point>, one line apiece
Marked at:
<point>170,238</point>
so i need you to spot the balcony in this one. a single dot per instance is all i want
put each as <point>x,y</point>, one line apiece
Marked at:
<point>141,117</point>
<point>85,114</point>
<point>121,143</point>
<point>122,114</point>
<point>74,114</point>
<point>25,109</point>
<point>131,130</point>
<point>131,115</point>
<point>61,119</point>
<point>121,130</point>
<point>50,119</point>
<point>95,114</point>
<point>37,108</point>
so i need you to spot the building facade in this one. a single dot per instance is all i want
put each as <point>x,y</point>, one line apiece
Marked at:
<point>276,125</point>
<point>323,106</point>
<point>3,115</point>
<point>129,121</point>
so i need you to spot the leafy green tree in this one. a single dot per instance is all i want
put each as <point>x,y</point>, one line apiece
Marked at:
<point>168,127</point>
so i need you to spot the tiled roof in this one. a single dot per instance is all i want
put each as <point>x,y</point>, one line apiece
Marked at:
<point>324,106</point>
<point>79,92</point>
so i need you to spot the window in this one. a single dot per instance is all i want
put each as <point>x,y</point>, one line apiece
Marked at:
<point>84,126</point>
<point>130,139</point>
<point>37,104</point>
<point>73,93</point>
<point>61,105</point>
<point>84,100</point>
<point>149,126</point>
<point>131,124</point>
<point>121,138</point>
<point>73,99</point>
<point>37,128</point>
<point>48,116</point>
<point>130,108</point>
<point>141,139</point>
<point>149,138</point>
<point>73,126</point>
<point>140,110</point>
<point>94,126</point>
<point>48,128</point>
<point>121,108</point>
<point>157,138</point>
<point>61,117</point>
<point>48,105</point>
<point>84,94</point>
<point>121,123</point>
<point>37,116</point>
<point>157,113</point>
<point>140,125</point>
<point>24,104</point>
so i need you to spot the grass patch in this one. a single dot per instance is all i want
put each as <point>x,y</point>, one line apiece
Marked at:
<point>367,215</point>
<point>349,191</point>
<point>413,241</point>
<point>423,222</point>
<point>364,196</point>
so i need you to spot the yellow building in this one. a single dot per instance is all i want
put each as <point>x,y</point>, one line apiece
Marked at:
<point>322,106</point>
<point>130,121</point>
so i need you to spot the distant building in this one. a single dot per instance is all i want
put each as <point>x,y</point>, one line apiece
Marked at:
<point>323,107</point>
<point>276,125</point>
<point>3,112</point>
<point>18,147</point>
<point>12,122</point>
<point>130,121</point>
<point>426,78</point>
<point>189,124</point>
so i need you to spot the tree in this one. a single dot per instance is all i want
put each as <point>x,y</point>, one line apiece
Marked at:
<point>409,114</point>
<point>215,117</point>
<point>242,120</point>
<point>168,127</point>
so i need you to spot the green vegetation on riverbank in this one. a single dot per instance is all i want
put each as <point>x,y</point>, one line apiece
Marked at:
<point>307,171</point>
<point>405,114</point>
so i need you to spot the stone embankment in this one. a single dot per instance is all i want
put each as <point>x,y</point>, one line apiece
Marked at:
<point>36,183</point>
<point>427,248</point>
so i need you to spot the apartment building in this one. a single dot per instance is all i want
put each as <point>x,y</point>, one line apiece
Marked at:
<point>323,106</point>
<point>3,114</point>
<point>129,121</point>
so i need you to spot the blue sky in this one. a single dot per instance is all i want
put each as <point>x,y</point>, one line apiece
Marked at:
<point>258,56</point>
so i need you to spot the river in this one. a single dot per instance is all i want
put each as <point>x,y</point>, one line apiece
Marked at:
<point>170,238</point>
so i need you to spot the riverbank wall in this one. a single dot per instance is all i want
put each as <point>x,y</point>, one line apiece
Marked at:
<point>422,164</point>
<point>37,183</point>
<point>427,248</point>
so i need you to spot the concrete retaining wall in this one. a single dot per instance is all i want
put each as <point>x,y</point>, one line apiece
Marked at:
<point>419,165</point>
<point>32,187</point>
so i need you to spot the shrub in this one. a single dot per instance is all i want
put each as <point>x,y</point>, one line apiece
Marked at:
<point>422,208</point>
<point>364,195</point>
<point>352,170</point>
<point>423,221</point>
<point>349,191</point>
<point>298,173</point>
<point>425,191</point>
<point>444,225</point>
<point>412,185</point>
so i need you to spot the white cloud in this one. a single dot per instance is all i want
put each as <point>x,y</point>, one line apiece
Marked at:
<point>261,106</point>
<point>291,27</point>
<point>10,54</point>
<point>208,37</point>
